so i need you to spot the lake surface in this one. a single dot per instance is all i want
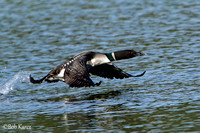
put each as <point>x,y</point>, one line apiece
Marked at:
<point>36,36</point>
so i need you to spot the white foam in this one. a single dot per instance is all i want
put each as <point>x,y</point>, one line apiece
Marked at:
<point>10,84</point>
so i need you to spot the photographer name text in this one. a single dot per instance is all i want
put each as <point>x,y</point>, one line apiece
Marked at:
<point>16,126</point>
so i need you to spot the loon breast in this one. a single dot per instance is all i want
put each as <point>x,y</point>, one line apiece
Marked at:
<point>98,59</point>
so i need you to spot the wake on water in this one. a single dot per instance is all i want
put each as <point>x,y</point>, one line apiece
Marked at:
<point>10,84</point>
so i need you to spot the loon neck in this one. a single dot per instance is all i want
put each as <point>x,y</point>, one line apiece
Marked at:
<point>123,54</point>
<point>111,56</point>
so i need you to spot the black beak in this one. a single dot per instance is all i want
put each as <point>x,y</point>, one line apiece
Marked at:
<point>140,54</point>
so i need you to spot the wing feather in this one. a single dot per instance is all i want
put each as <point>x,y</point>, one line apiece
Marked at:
<point>76,73</point>
<point>110,71</point>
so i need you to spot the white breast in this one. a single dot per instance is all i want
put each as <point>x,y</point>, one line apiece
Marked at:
<point>98,59</point>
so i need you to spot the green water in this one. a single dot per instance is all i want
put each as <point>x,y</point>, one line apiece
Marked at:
<point>36,36</point>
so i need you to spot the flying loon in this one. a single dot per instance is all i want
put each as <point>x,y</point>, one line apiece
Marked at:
<point>76,71</point>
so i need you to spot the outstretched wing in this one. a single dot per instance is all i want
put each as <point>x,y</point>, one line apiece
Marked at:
<point>76,73</point>
<point>110,71</point>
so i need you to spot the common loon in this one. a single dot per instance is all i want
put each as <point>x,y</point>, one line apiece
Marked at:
<point>76,71</point>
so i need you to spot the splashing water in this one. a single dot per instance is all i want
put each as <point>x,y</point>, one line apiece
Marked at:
<point>9,85</point>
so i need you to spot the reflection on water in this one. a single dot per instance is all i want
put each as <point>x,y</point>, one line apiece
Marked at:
<point>36,36</point>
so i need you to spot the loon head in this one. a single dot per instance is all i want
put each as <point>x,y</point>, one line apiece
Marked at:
<point>125,54</point>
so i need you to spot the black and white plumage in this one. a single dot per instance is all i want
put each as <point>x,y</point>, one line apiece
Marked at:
<point>76,71</point>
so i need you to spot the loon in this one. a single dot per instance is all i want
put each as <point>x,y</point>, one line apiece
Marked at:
<point>76,71</point>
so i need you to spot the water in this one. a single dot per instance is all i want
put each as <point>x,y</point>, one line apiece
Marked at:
<point>36,36</point>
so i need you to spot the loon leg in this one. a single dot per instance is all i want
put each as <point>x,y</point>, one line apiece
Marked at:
<point>32,80</point>
<point>47,78</point>
<point>52,81</point>
<point>97,84</point>
<point>140,74</point>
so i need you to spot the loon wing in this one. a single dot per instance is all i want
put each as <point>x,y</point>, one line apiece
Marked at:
<point>77,74</point>
<point>110,71</point>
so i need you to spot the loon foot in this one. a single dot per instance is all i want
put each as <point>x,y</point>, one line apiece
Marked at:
<point>97,84</point>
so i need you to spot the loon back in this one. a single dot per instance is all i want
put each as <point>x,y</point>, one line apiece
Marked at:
<point>76,71</point>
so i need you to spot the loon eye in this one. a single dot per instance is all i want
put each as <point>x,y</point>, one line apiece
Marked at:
<point>130,52</point>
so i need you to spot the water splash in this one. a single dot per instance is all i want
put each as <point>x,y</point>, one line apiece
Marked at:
<point>10,84</point>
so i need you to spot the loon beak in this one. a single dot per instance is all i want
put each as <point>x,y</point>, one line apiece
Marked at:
<point>140,54</point>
